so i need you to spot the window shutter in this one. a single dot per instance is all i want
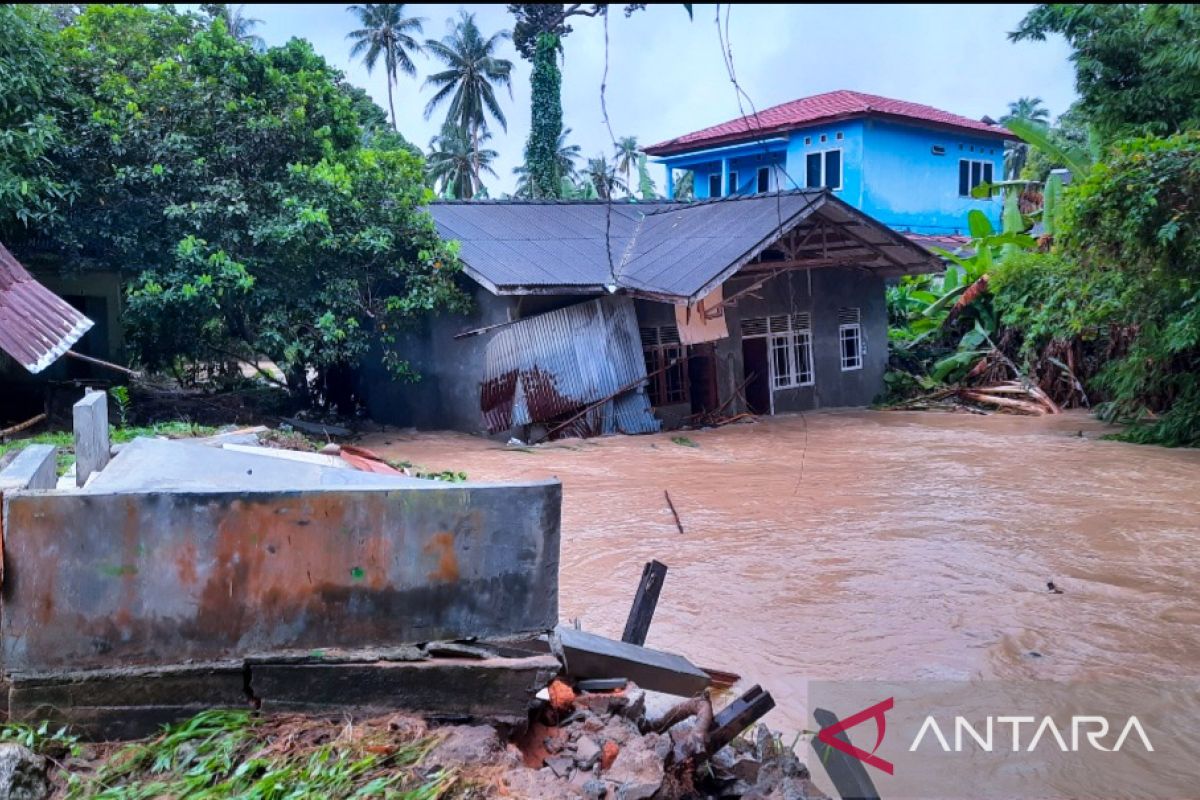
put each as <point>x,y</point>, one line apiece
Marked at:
<point>754,326</point>
<point>848,316</point>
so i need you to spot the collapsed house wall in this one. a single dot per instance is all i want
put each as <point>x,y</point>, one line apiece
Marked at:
<point>96,579</point>
<point>445,396</point>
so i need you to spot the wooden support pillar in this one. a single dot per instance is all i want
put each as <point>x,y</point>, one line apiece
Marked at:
<point>644,603</point>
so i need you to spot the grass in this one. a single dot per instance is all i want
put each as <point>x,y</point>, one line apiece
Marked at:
<point>65,441</point>
<point>448,475</point>
<point>237,754</point>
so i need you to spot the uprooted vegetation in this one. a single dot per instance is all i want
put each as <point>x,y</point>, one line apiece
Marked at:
<point>1103,314</point>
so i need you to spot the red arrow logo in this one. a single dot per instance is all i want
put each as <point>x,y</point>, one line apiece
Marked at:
<point>829,735</point>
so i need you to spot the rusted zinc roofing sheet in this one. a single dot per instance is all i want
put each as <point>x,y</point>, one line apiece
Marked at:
<point>546,368</point>
<point>667,251</point>
<point>36,325</point>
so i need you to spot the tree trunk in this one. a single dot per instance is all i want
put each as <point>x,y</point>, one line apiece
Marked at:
<point>392,104</point>
<point>475,182</point>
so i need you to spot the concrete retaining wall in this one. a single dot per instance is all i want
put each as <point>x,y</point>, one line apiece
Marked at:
<point>168,577</point>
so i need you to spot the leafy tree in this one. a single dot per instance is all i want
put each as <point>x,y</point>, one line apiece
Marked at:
<point>685,186</point>
<point>473,71</point>
<point>386,31</point>
<point>31,85</point>
<point>603,176</point>
<point>239,25</point>
<point>456,163</point>
<point>627,157</point>
<point>1137,67</point>
<point>233,191</point>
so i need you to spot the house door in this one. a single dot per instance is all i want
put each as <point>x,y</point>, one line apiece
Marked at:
<point>702,377</point>
<point>756,367</point>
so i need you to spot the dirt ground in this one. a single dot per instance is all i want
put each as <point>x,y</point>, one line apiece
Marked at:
<point>876,545</point>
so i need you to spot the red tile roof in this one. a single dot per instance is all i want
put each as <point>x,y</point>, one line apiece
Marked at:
<point>842,104</point>
<point>36,325</point>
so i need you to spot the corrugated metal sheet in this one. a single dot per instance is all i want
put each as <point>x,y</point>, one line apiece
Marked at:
<point>547,368</point>
<point>36,325</point>
<point>663,250</point>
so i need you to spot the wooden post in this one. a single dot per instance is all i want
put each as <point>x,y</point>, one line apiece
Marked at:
<point>92,446</point>
<point>644,603</point>
<point>737,716</point>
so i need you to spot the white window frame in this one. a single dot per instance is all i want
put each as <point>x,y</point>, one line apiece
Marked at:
<point>790,342</point>
<point>983,162</point>
<point>856,362</point>
<point>824,162</point>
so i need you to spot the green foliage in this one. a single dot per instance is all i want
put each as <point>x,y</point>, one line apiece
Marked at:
<point>1072,157</point>
<point>1137,67</point>
<point>41,739</point>
<point>456,163</point>
<point>255,203</point>
<point>541,151</point>
<point>684,441</point>
<point>1126,277</point>
<point>229,754</point>
<point>645,182</point>
<point>471,75</point>
<point>120,396</point>
<point>32,89</point>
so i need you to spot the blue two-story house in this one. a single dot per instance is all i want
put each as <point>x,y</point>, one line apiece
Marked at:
<point>910,166</point>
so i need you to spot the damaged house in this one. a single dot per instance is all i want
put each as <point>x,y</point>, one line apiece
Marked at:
<point>592,318</point>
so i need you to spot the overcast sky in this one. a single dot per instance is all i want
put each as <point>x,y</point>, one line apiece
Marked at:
<point>666,74</point>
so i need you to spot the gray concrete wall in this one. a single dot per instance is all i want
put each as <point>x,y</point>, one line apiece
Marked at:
<point>168,577</point>
<point>446,394</point>
<point>830,289</point>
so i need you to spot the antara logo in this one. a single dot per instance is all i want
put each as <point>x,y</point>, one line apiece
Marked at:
<point>1093,729</point>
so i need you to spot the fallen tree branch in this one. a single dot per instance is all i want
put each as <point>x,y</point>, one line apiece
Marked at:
<point>27,424</point>
<point>674,513</point>
<point>106,364</point>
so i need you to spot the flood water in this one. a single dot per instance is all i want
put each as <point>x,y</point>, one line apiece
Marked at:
<point>877,545</point>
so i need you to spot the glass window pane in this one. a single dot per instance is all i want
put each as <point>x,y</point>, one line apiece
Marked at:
<point>976,174</point>
<point>779,357</point>
<point>987,172</point>
<point>714,185</point>
<point>764,179</point>
<point>812,168</point>
<point>733,183</point>
<point>964,178</point>
<point>833,169</point>
<point>803,356</point>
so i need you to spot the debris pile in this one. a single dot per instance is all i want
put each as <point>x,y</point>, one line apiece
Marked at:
<point>604,744</point>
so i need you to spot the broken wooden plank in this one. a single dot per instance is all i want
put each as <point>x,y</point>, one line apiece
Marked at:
<point>721,679</point>
<point>739,715</point>
<point>849,775</point>
<point>644,603</point>
<point>586,655</point>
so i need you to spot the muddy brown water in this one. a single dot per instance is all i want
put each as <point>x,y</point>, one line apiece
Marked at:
<point>877,545</point>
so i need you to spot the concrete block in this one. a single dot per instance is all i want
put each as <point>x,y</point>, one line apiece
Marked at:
<point>143,578</point>
<point>586,655</point>
<point>34,467</point>
<point>126,703</point>
<point>448,688</point>
<point>92,445</point>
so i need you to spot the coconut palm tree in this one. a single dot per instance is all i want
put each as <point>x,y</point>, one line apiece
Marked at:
<point>240,26</point>
<point>565,157</point>
<point>473,71</point>
<point>604,177</point>
<point>386,31</point>
<point>1031,110</point>
<point>455,166</point>
<point>627,157</point>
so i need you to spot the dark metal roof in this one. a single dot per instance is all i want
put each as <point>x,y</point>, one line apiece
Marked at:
<point>36,325</point>
<point>668,250</point>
